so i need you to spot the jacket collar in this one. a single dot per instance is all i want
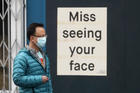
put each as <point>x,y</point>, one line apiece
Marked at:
<point>34,54</point>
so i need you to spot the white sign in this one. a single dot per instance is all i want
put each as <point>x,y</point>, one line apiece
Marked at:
<point>82,41</point>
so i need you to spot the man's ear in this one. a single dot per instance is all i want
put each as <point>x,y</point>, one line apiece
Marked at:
<point>31,38</point>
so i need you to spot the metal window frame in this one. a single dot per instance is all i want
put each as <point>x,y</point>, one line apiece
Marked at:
<point>16,12</point>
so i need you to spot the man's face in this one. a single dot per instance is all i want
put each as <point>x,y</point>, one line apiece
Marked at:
<point>40,32</point>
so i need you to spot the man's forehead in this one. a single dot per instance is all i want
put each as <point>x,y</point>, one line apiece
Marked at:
<point>40,30</point>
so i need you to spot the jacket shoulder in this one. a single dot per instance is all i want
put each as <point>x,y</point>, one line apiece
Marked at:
<point>22,54</point>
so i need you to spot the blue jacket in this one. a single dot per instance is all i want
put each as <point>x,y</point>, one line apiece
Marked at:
<point>27,73</point>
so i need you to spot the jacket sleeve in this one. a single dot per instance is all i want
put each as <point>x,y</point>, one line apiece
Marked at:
<point>19,76</point>
<point>49,76</point>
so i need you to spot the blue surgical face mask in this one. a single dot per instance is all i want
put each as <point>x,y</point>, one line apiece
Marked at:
<point>41,42</point>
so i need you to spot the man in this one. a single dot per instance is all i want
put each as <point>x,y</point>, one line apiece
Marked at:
<point>31,69</point>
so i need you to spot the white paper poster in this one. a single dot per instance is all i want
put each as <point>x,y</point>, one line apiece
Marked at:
<point>82,41</point>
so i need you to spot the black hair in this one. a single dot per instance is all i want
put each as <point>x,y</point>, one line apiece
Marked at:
<point>31,29</point>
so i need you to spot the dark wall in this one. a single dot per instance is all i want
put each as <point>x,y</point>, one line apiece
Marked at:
<point>133,46</point>
<point>122,48</point>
